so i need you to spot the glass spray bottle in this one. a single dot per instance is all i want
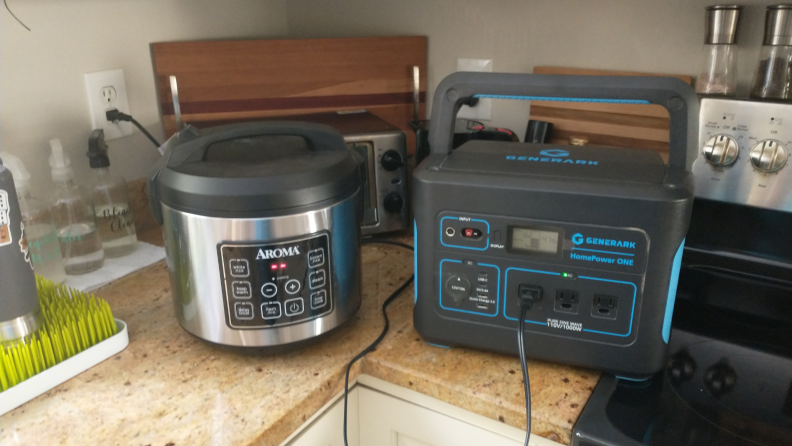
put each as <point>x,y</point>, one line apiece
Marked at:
<point>111,201</point>
<point>73,216</point>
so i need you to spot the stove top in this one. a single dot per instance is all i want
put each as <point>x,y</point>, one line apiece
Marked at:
<point>728,379</point>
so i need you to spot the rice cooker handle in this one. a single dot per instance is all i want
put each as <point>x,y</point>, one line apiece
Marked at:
<point>320,138</point>
<point>675,95</point>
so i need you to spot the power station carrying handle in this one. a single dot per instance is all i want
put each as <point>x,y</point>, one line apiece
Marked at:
<point>675,95</point>
<point>320,137</point>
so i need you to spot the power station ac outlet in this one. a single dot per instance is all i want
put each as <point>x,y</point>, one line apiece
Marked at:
<point>106,90</point>
<point>483,110</point>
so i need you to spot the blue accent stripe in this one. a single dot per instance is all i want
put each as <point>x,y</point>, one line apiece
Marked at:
<point>604,252</point>
<point>633,379</point>
<point>459,246</point>
<point>437,345</point>
<point>415,260</point>
<point>672,289</point>
<point>554,99</point>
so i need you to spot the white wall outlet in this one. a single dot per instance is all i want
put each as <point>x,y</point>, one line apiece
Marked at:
<point>483,110</point>
<point>106,90</point>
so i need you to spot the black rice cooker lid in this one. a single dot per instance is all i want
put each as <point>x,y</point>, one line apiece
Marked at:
<point>257,169</point>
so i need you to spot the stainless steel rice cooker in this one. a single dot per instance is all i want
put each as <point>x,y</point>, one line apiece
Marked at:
<point>262,231</point>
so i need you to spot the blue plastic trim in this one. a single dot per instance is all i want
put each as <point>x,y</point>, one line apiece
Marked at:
<point>639,380</point>
<point>437,345</point>
<point>672,289</point>
<point>604,252</point>
<point>464,247</point>
<point>632,313</point>
<point>440,294</point>
<point>415,260</point>
<point>554,99</point>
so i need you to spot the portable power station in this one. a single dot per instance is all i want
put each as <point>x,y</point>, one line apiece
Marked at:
<point>593,236</point>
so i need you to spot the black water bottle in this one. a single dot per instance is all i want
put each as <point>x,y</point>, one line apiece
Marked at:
<point>20,314</point>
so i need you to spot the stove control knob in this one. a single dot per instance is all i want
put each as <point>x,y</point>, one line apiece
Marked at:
<point>391,160</point>
<point>394,203</point>
<point>721,151</point>
<point>720,379</point>
<point>769,156</point>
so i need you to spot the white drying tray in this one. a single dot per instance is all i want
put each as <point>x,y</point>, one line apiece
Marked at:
<point>66,370</point>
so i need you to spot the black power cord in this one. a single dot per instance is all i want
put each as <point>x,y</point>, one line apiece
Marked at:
<point>379,339</point>
<point>526,384</point>
<point>528,295</point>
<point>113,115</point>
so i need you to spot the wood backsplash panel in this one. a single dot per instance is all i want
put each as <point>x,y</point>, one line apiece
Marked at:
<point>244,79</point>
<point>610,125</point>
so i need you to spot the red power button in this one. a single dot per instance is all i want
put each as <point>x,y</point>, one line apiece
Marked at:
<point>471,233</point>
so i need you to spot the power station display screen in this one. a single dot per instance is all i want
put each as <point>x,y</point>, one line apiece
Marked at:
<point>534,240</point>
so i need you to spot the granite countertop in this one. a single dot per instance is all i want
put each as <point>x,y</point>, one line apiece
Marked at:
<point>170,389</point>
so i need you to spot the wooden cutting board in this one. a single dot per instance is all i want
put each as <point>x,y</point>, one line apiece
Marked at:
<point>610,125</point>
<point>227,81</point>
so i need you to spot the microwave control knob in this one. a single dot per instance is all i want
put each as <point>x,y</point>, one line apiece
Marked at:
<point>391,160</point>
<point>394,203</point>
<point>769,156</point>
<point>721,151</point>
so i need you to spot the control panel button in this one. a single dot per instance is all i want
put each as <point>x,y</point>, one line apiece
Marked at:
<point>271,310</point>
<point>269,289</point>
<point>318,299</point>
<point>768,156</point>
<point>458,288</point>
<point>316,258</point>
<point>721,150</point>
<point>239,267</point>
<point>471,233</point>
<point>293,286</point>
<point>243,311</point>
<point>316,279</point>
<point>294,306</point>
<point>241,290</point>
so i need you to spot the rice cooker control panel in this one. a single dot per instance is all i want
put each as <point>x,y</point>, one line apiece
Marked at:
<point>274,284</point>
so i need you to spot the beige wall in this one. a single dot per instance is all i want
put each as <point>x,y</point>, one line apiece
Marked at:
<point>663,36</point>
<point>42,94</point>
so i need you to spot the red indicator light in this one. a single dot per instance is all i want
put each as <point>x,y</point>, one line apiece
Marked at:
<point>274,267</point>
<point>283,265</point>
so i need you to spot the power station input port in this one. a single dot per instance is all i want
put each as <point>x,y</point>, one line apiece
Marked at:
<point>605,306</point>
<point>567,301</point>
<point>450,231</point>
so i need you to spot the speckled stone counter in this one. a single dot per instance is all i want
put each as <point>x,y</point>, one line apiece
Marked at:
<point>168,388</point>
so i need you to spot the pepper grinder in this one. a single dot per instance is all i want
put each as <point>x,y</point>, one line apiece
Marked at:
<point>774,73</point>
<point>718,74</point>
<point>20,313</point>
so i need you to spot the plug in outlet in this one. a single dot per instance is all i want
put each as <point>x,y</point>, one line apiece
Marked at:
<point>106,90</point>
<point>482,110</point>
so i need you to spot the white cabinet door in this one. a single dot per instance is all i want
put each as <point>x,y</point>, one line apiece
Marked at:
<point>383,414</point>
<point>326,427</point>
<point>389,421</point>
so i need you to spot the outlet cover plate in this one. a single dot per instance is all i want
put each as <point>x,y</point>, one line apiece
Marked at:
<point>99,102</point>
<point>483,110</point>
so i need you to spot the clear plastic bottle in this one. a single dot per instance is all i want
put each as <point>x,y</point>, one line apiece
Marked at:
<point>111,202</point>
<point>74,218</point>
<point>43,246</point>
<point>718,72</point>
